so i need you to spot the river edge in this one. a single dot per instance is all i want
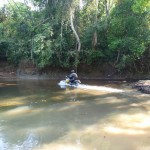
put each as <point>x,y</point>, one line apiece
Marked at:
<point>27,72</point>
<point>140,84</point>
<point>16,74</point>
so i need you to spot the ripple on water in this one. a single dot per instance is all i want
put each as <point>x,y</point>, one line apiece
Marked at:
<point>28,144</point>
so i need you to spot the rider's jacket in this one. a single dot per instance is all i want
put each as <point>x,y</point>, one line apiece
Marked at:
<point>73,76</point>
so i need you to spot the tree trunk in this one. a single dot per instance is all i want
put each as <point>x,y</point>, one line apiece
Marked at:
<point>94,40</point>
<point>73,29</point>
<point>61,34</point>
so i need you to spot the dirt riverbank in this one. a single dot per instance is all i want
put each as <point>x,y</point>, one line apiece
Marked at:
<point>28,70</point>
<point>143,86</point>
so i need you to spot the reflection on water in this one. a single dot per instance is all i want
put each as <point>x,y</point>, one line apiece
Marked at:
<point>39,115</point>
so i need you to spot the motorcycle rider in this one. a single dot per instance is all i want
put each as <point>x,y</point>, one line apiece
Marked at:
<point>73,77</point>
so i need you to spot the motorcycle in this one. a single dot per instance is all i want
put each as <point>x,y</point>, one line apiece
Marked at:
<point>67,82</point>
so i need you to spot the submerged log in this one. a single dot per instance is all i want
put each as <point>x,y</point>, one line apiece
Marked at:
<point>143,86</point>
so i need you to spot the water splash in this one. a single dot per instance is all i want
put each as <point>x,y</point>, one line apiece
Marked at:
<point>30,143</point>
<point>63,84</point>
<point>100,88</point>
<point>3,143</point>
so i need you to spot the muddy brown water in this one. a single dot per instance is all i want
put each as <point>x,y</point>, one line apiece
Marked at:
<point>39,115</point>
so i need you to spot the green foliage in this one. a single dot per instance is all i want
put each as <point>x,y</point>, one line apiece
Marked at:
<point>17,28</point>
<point>140,6</point>
<point>128,34</point>
<point>92,57</point>
<point>42,50</point>
<point>120,28</point>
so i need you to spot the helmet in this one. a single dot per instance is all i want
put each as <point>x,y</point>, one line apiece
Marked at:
<point>72,71</point>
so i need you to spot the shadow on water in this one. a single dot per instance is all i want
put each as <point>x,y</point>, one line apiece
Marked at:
<point>39,115</point>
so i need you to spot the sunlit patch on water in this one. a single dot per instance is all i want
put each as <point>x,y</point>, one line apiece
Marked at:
<point>7,84</point>
<point>116,130</point>
<point>5,102</point>
<point>131,124</point>
<point>60,147</point>
<point>18,110</point>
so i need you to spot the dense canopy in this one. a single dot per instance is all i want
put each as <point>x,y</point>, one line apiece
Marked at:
<point>66,33</point>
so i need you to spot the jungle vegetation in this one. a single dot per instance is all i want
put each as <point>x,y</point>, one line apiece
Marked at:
<point>66,33</point>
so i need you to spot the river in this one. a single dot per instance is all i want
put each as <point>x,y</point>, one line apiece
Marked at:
<point>40,115</point>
